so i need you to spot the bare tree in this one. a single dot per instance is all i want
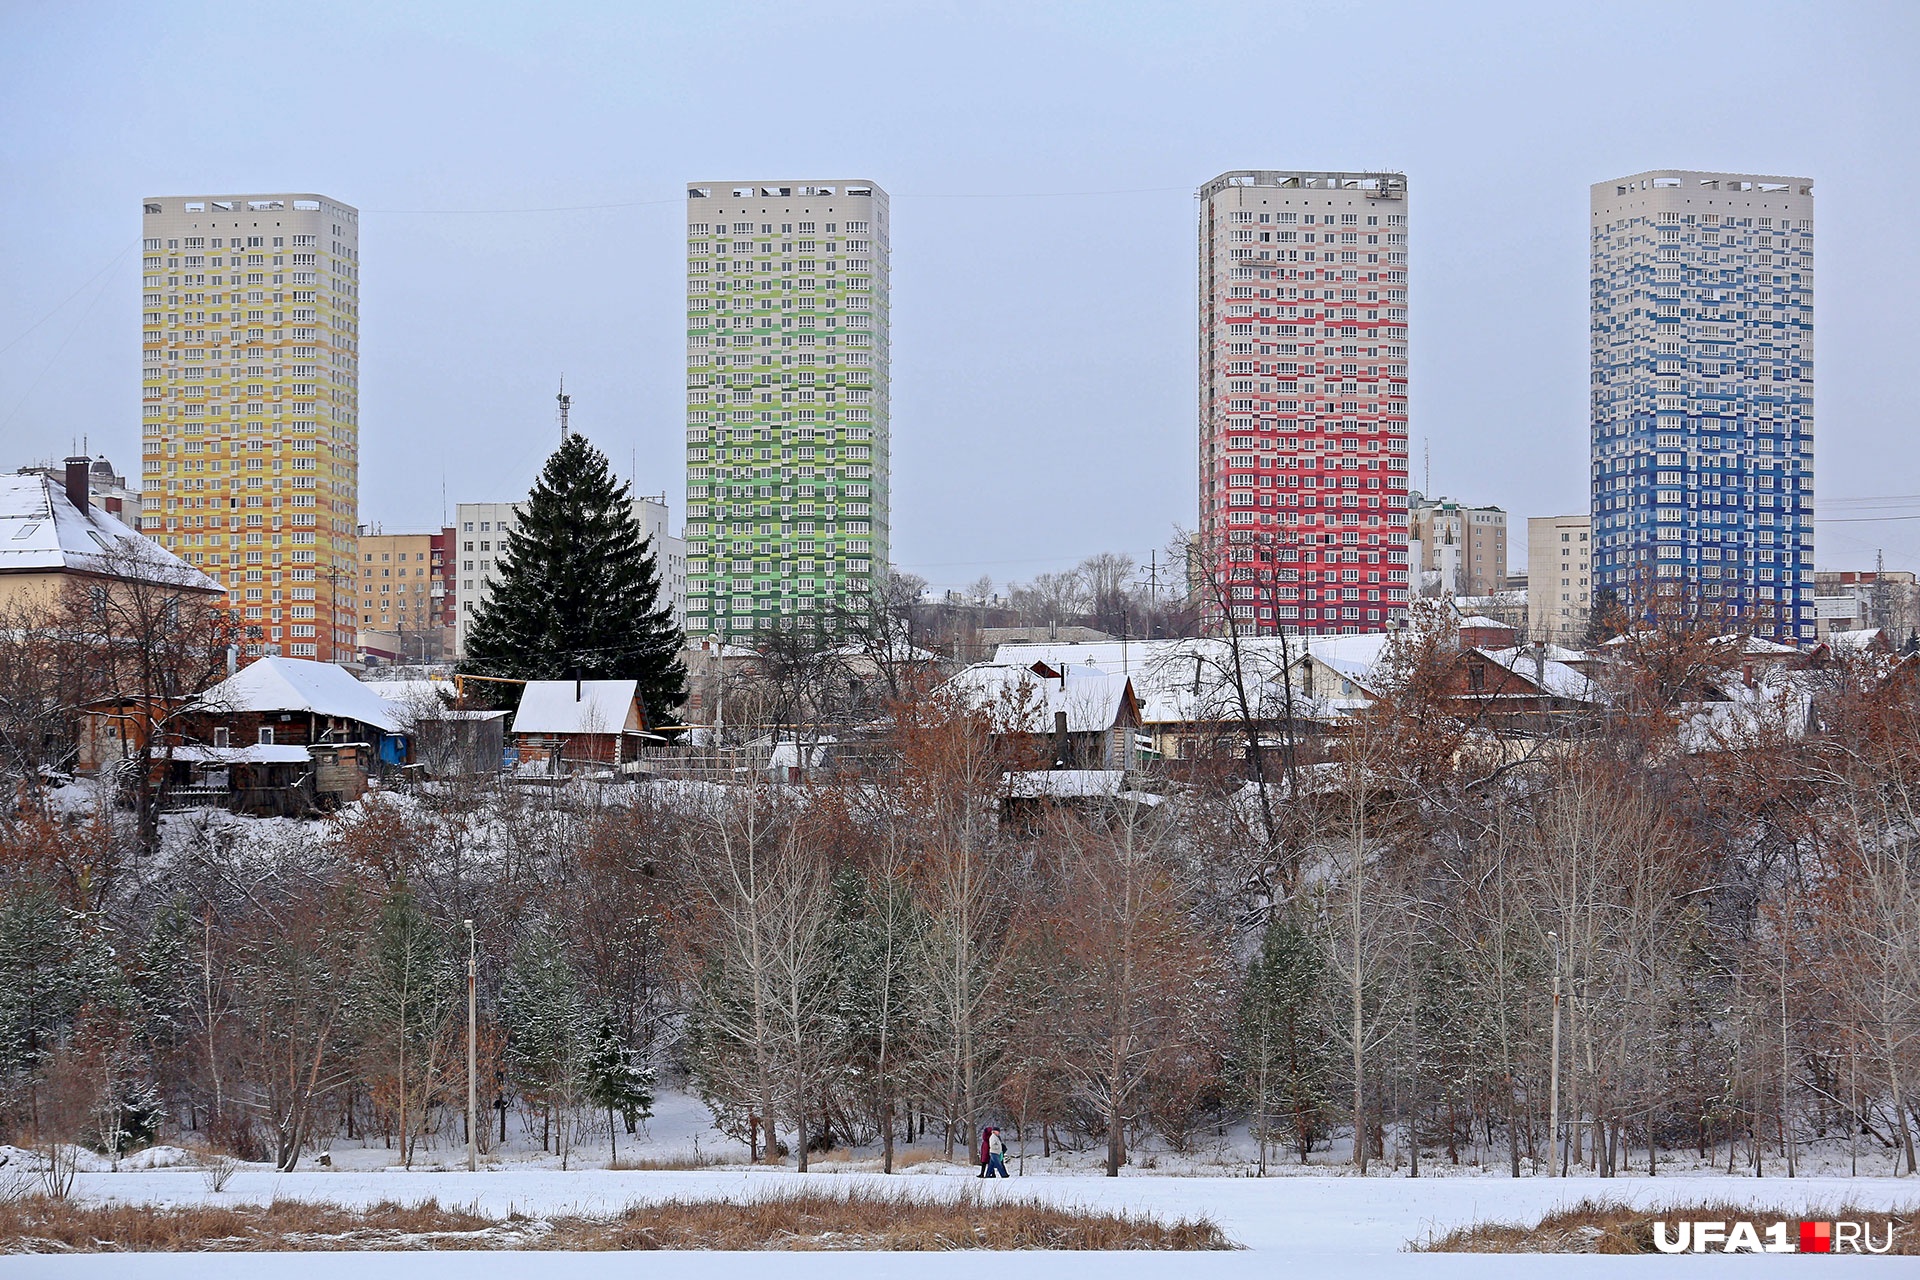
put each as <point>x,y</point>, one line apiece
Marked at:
<point>1143,986</point>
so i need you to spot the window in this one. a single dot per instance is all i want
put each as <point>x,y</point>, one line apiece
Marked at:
<point>222,736</point>
<point>266,735</point>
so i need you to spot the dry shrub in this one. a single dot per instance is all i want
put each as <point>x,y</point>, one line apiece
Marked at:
<point>864,1219</point>
<point>1608,1226</point>
<point>61,1165</point>
<point>40,1224</point>
<point>668,1163</point>
<point>217,1170</point>
<point>912,1156</point>
<point>853,1219</point>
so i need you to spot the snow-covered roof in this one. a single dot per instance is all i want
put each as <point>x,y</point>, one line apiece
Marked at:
<point>1188,681</point>
<point>1779,703</point>
<point>1756,646</point>
<point>295,684</point>
<point>257,753</point>
<point>1854,641</point>
<point>41,531</point>
<point>1063,783</point>
<point>1482,620</point>
<point>578,706</point>
<point>1020,700</point>
<point>1554,678</point>
<point>896,650</point>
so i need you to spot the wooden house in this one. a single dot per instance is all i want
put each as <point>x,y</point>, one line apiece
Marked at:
<point>564,725</point>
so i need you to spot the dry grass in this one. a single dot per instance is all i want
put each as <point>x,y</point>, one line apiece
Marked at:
<point>856,1219</point>
<point>669,1163</point>
<point>1604,1226</point>
<point>908,1157</point>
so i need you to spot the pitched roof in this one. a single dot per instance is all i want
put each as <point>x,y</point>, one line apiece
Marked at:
<point>1185,681</point>
<point>1553,678</point>
<point>1021,700</point>
<point>585,706</point>
<point>41,531</point>
<point>295,684</point>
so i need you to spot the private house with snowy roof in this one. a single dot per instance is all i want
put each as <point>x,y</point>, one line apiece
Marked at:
<point>1055,717</point>
<point>565,726</point>
<point>283,736</point>
<point>53,535</point>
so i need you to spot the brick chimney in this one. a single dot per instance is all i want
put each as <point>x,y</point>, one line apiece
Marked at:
<point>77,471</point>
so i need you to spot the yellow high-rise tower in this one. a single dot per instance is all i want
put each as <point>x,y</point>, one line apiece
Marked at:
<point>250,411</point>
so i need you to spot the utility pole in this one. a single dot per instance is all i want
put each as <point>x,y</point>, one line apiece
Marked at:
<point>566,403</point>
<point>473,1056</point>
<point>1153,589</point>
<point>1553,1087</point>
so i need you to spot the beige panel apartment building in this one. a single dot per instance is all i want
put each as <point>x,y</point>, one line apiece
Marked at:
<point>403,591</point>
<point>1559,578</point>
<point>250,426</point>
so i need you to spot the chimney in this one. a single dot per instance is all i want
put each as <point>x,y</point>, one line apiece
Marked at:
<point>77,469</point>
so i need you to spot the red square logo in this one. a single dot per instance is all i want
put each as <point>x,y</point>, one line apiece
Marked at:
<point>1816,1237</point>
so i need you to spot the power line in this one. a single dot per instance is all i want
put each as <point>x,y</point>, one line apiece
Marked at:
<point>67,341</point>
<point>69,298</point>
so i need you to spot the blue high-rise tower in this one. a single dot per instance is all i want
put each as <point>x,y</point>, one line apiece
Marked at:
<point>1702,411</point>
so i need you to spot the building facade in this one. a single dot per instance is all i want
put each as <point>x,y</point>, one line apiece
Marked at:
<point>402,595</point>
<point>788,440</point>
<point>1702,360</point>
<point>1559,574</point>
<point>250,418</point>
<point>480,530</point>
<point>1303,399</point>
<point>1456,549</point>
<point>1851,600</point>
<point>479,535</point>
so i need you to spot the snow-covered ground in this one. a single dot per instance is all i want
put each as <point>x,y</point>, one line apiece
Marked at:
<point>1326,1226</point>
<point>1321,1222</point>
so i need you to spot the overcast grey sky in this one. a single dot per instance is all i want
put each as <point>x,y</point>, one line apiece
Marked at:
<point>1042,160</point>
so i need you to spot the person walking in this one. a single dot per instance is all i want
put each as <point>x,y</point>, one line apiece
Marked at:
<point>986,1152</point>
<point>996,1154</point>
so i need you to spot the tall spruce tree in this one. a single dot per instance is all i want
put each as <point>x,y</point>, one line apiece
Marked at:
<point>578,587</point>
<point>1283,1046</point>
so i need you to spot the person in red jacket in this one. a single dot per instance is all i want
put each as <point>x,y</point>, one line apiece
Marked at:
<point>984,1155</point>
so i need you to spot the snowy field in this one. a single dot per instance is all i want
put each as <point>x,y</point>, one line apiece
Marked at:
<point>1318,1226</point>
<point>1295,1226</point>
<point>1319,1222</point>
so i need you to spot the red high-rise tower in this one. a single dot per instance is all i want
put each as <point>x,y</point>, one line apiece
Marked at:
<point>1303,400</point>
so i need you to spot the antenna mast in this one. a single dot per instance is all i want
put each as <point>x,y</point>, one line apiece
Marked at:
<point>566,403</point>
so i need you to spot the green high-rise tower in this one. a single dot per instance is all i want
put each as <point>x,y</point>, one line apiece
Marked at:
<point>787,403</point>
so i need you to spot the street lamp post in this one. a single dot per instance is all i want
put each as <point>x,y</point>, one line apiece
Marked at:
<point>473,1057</point>
<point>1554,1168</point>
